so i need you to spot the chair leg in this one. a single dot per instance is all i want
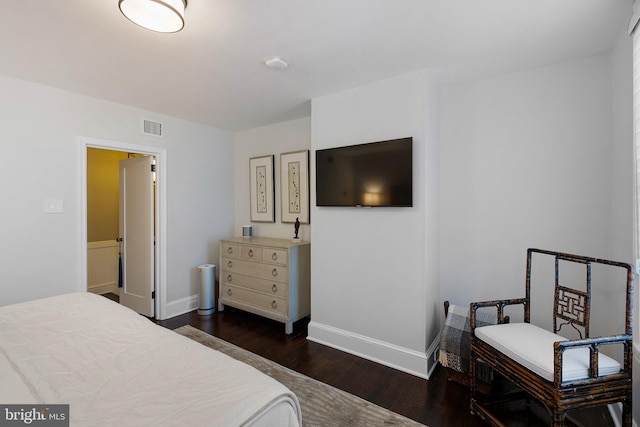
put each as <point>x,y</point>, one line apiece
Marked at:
<point>472,380</point>
<point>627,413</point>
<point>558,419</point>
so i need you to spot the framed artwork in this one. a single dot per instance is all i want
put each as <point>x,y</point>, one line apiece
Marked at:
<point>294,186</point>
<point>262,192</point>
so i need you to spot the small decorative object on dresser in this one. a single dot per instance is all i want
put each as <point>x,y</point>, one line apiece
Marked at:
<point>296,228</point>
<point>268,277</point>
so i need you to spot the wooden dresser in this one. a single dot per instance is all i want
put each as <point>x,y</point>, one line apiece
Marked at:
<point>268,277</point>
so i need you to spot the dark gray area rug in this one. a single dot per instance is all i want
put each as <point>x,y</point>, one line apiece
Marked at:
<point>322,404</point>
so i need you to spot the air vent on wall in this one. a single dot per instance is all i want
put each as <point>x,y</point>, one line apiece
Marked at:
<point>151,128</point>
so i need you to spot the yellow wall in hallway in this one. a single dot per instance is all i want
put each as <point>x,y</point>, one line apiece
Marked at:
<point>102,193</point>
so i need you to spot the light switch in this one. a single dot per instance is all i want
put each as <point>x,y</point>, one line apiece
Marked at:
<point>54,206</point>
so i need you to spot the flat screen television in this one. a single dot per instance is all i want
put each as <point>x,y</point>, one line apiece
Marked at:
<point>367,175</point>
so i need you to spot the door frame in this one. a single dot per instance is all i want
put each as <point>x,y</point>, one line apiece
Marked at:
<point>160,212</point>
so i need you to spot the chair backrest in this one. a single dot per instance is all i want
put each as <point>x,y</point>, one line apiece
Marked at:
<point>572,307</point>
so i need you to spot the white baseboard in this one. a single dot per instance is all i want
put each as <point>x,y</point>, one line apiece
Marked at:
<point>432,355</point>
<point>104,288</point>
<point>181,306</point>
<point>400,358</point>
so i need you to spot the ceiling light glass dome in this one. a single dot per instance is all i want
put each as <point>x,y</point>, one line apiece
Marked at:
<point>165,16</point>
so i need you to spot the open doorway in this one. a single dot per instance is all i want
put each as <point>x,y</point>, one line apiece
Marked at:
<point>88,228</point>
<point>121,227</point>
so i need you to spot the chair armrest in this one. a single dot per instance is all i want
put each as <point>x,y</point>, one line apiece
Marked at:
<point>499,305</point>
<point>594,345</point>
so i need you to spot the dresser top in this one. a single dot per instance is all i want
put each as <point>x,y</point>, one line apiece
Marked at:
<point>266,241</point>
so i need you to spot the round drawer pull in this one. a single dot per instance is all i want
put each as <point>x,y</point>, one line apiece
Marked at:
<point>274,256</point>
<point>250,252</point>
<point>229,292</point>
<point>274,272</point>
<point>228,278</point>
<point>274,288</point>
<point>229,264</point>
<point>274,304</point>
<point>229,250</point>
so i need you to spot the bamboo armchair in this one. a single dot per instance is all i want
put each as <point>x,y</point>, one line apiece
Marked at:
<point>559,389</point>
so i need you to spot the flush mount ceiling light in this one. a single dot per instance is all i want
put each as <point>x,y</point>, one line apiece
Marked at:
<point>164,16</point>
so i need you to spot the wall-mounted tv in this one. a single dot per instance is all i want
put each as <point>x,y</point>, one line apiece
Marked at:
<point>367,175</point>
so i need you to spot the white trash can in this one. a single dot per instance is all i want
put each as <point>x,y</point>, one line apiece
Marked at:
<point>206,289</point>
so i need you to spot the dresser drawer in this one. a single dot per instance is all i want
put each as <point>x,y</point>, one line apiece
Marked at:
<point>230,250</point>
<point>265,271</point>
<point>265,302</point>
<point>251,252</point>
<point>275,256</point>
<point>266,286</point>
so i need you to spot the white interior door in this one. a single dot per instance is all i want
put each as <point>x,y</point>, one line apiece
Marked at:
<point>137,232</point>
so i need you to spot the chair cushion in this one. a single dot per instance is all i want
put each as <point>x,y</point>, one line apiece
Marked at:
<point>532,347</point>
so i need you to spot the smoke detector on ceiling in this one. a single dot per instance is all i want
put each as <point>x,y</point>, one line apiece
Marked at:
<point>276,63</point>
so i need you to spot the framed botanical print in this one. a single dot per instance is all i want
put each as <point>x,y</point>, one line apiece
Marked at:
<point>262,192</point>
<point>294,186</point>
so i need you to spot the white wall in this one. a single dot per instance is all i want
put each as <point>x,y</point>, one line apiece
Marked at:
<point>374,271</point>
<point>533,159</point>
<point>622,189</point>
<point>40,160</point>
<point>280,138</point>
<point>622,145</point>
<point>623,228</point>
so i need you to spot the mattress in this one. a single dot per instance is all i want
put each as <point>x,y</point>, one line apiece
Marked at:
<point>115,367</point>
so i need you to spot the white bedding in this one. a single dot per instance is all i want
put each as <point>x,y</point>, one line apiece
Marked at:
<point>115,367</point>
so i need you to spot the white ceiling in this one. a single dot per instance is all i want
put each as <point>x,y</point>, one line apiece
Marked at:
<point>211,72</point>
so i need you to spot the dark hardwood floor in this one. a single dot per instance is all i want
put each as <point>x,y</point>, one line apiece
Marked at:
<point>435,402</point>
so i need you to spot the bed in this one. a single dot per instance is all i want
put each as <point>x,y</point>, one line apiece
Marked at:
<point>115,367</point>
